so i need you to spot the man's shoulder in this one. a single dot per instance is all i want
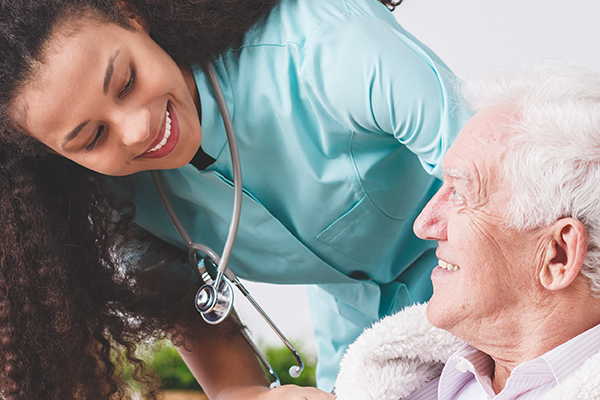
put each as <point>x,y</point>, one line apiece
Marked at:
<point>395,357</point>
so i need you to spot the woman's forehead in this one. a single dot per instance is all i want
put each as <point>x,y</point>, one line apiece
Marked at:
<point>73,66</point>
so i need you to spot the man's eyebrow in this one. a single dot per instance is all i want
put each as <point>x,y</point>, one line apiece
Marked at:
<point>73,134</point>
<point>457,174</point>
<point>110,69</point>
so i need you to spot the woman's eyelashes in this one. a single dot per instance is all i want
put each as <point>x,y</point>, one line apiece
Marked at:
<point>101,131</point>
<point>98,138</point>
<point>129,85</point>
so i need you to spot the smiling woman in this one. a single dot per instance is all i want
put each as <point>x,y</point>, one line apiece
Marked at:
<point>99,102</point>
<point>334,175</point>
<point>65,240</point>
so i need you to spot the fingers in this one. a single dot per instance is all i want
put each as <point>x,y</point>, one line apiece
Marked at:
<point>293,392</point>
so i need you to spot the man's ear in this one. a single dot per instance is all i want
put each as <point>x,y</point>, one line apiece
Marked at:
<point>565,255</point>
<point>134,17</point>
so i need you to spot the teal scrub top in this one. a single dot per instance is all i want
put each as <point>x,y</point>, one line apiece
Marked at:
<point>342,119</point>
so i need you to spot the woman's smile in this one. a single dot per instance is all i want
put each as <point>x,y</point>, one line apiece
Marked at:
<point>112,100</point>
<point>167,137</point>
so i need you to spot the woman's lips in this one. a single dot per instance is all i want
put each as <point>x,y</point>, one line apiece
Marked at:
<point>167,138</point>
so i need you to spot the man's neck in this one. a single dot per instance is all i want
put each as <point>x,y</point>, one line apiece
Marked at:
<point>534,334</point>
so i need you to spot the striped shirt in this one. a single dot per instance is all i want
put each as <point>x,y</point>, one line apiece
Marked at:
<point>467,375</point>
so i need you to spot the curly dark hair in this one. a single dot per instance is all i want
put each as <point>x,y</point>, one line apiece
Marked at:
<point>80,286</point>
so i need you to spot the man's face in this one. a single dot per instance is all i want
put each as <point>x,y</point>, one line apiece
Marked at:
<point>487,271</point>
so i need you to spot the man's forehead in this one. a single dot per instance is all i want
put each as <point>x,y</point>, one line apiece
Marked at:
<point>461,161</point>
<point>480,146</point>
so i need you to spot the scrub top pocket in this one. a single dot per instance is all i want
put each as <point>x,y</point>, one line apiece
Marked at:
<point>366,225</point>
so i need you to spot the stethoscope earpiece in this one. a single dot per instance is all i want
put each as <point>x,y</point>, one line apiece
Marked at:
<point>274,384</point>
<point>295,371</point>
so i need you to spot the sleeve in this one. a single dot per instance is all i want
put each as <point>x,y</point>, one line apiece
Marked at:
<point>373,77</point>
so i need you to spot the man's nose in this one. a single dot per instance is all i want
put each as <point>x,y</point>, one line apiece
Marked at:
<point>135,127</point>
<point>432,223</point>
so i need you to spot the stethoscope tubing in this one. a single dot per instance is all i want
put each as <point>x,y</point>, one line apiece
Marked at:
<point>192,246</point>
<point>223,261</point>
<point>237,173</point>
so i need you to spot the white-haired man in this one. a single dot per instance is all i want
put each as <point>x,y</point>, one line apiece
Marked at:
<point>516,303</point>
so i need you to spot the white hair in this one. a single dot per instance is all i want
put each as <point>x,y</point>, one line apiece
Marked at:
<point>553,158</point>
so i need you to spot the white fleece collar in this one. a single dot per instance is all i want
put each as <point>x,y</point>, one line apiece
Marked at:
<point>395,357</point>
<point>402,352</point>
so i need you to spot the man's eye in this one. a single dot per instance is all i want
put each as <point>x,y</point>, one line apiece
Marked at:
<point>99,138</point>
<point>129,86</point>
<point>457,196</point>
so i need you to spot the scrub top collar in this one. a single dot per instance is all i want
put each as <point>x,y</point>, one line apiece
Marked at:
<point>215,140</point>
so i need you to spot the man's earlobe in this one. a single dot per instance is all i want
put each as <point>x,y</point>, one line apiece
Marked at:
<point>568,247</point>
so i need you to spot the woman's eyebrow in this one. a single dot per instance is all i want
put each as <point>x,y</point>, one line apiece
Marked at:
<point>73,134</point>
<point>110,69</point>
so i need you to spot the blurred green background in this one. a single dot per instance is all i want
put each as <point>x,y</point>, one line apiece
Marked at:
<point>165,361</point>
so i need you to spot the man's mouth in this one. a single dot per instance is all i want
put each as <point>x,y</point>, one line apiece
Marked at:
<point>445,265</point>
<point>165,137</point>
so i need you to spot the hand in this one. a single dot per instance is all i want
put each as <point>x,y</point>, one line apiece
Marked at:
<point>293,392</point>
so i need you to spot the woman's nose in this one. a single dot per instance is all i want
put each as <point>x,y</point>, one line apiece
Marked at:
<point>432,223</point>
<point>135,127</point>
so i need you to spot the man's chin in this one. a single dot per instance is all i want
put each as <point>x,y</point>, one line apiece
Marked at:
<point>440,314</point>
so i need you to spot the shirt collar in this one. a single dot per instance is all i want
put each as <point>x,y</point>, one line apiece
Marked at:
<point>569,356</point>
<point>468,363</point>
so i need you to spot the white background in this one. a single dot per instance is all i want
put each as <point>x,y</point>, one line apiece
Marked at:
<point>467,35</point>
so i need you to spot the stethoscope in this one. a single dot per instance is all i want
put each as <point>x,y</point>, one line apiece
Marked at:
<point>214,300</point>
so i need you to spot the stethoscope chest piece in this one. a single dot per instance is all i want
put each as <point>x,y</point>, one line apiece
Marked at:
<point>214,305</point>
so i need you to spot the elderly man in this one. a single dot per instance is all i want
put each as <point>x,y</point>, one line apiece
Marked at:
<point>516,303</point>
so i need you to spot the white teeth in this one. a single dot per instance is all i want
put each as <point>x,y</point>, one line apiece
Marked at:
<point>448,266</point>
<point>166,137</point>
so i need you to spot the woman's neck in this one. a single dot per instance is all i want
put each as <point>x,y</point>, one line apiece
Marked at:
<point>188,76</point>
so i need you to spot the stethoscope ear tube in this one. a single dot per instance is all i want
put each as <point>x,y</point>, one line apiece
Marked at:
<point>294,370</point>
<point>275,382</point>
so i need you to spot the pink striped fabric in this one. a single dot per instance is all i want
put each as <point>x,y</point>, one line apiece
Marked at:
<point>467,375</point>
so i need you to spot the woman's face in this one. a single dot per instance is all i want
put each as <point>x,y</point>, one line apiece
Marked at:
<point>112,100</point>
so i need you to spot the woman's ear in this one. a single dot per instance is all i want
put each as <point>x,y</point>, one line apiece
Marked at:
<point>565,255</point>
<point>134,17</point>
<point>51,151</point>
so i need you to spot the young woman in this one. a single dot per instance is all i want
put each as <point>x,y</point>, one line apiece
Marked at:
<point>339,114</point>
